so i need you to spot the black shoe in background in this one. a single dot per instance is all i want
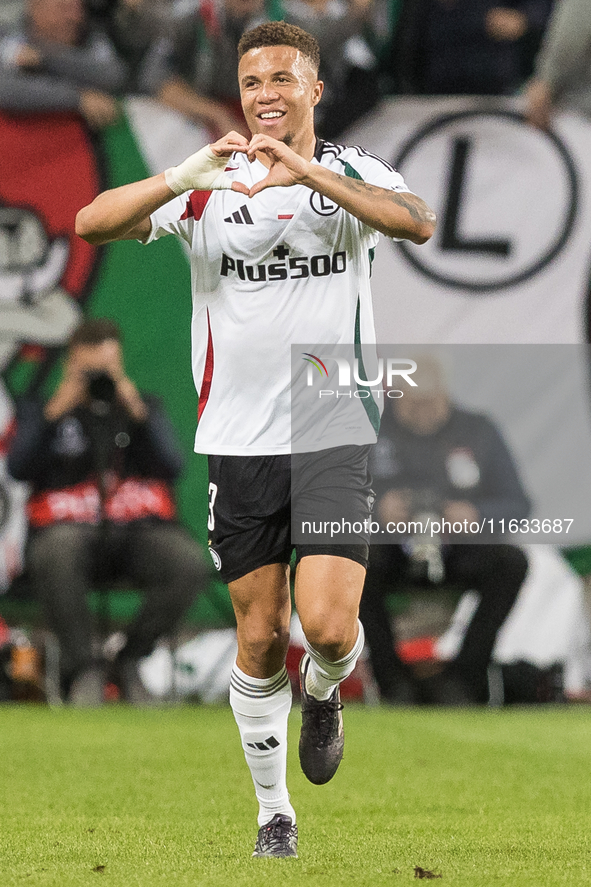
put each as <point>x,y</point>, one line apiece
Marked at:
<point>447,689</point>
<point>526,684</point>
<point>404,689</point>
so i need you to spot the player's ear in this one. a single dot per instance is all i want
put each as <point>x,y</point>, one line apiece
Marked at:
<point>317,91</point>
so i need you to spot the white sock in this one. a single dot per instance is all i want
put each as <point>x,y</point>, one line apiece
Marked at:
<point>261,708</point>
<point>323,676</point>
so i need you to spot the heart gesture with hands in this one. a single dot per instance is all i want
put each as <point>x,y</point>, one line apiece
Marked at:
<point>286,168</point>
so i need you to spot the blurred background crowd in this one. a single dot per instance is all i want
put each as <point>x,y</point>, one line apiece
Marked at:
<point>83,54</point>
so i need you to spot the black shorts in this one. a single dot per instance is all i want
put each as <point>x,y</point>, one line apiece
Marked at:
<point>262,507</point>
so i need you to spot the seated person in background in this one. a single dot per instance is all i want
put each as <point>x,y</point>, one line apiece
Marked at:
<point>101,459</point>
<point>143,32</point>
<point>54,60</point>
<point>464,47</point>
<point>133,26</point>
<point>435,459</point>
<point>198,62</point>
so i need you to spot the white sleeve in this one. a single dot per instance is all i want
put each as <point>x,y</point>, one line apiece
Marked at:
<point>175,217</point>
<point>360,164</point>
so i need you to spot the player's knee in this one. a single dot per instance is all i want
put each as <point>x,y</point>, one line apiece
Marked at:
<point>331,639</point>
<point>262,640</point>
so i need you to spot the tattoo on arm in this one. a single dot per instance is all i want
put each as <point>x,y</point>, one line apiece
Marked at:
<point>406,201</point>
<point>415,206</point>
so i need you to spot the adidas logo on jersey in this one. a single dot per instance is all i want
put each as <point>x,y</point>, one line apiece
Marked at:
<point>240,217</point>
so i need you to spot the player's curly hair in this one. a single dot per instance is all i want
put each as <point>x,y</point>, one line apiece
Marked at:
<point>280,34</point>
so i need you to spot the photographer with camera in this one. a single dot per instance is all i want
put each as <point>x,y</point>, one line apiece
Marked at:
<point>101,459</point>
<point>435,462</point>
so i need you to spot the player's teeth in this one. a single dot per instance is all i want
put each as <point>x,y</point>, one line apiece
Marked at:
<point>271,114</point>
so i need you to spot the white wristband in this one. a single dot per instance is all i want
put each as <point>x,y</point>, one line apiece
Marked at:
<point>203,171</point>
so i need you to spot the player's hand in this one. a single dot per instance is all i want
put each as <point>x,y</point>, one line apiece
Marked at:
<point>225,147</point>
<point>287,168</point>
<point>233,141</point>
<point>204,170</point>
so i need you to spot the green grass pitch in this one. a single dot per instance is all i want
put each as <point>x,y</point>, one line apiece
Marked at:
<point>130,798</point>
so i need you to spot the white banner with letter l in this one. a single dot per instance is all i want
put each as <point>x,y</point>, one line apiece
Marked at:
<point>510,261</point>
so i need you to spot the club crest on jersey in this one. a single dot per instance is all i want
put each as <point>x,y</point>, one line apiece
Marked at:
<point>322,206</point>
<point>286,267</point>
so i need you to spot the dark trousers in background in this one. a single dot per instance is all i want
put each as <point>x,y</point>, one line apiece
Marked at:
<point>496,572</point>
<point>66,560</point>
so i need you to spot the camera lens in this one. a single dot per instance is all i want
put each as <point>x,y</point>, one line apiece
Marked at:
<point>101,387</point>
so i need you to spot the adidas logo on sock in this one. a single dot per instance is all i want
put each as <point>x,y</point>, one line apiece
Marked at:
<point>240,217</point>
<point>268,744</point>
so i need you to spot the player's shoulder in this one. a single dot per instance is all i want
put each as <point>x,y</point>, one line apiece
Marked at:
<point>353,160</point>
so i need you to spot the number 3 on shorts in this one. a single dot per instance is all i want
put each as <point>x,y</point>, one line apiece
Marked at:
<point>212,493</point>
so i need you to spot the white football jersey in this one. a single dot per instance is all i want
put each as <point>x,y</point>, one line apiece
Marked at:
<point>285,267</point>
